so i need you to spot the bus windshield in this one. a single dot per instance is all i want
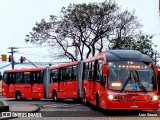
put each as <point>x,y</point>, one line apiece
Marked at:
<point>131,76</point>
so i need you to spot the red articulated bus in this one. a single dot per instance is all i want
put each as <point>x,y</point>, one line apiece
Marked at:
<point>112,80</point>
<point>56,82</point>
<point>63,81</point>
<point>120,80</point>
<point>23,83</point>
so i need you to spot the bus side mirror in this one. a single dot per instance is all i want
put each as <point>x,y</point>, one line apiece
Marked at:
<point>104,69</point>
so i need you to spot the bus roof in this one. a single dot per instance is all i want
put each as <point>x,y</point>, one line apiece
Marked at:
<point>25,69</point>
<point>63,65</point>
<point>130,55</point>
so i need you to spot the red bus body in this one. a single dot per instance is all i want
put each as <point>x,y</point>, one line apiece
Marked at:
<point>98,94</point>
<point>112,80</point>
<point>65,88</point>
<point>27,90</point>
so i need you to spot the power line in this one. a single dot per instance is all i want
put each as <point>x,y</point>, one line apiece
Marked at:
<point>34,46</point>
<point>33,54</point>
<point>5,66</point>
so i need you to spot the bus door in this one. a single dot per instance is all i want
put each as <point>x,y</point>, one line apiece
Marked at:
<point>70,83</point>
<point>36,86</point>
<point>98,76</point>
<point>95,72</point>
<point>11,82</point>
<point>27,84</point>
<point>61,87</point>
<point>91,81</point>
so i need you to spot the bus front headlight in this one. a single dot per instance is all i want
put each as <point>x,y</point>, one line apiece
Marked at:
<point>155,98</point>
<point>110,97</point>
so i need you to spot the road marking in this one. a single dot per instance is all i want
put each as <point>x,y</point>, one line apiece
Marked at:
<point>62,105</point>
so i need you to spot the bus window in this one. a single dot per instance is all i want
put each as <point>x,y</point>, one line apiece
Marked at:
<point>5,78</point>
<point>41,77</point>
<point>68,74</point>
<point>26,78</point>
<point>54,76</point>
<point>11,78</point>
<point>35,77</point>
<point>86,71</point>
<point>18,78</point>
<point>60,75</point>
<point>90,70</point>
<point>51,76</point>
<point>129,75</point>
<point>63,74</point>
<point>99,69</point>
<point>95,70</point>
<point>74,74</point>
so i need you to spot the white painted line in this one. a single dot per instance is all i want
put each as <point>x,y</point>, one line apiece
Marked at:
<point>63,105</point>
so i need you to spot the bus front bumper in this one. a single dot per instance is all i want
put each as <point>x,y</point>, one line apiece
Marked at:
<point>132,105</point>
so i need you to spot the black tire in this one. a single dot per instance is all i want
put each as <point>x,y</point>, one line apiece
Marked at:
<point>78,100</point>
<point>23,99</point>
<point>36,99</point>
<point>55,96</point>
<point>97,100</point>
<point>18,96</point>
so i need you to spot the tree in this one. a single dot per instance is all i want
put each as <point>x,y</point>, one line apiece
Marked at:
<point>141,43</point>
<point>88,28</point>
<point>144,44</point>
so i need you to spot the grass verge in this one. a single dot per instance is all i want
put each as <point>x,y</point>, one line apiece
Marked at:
<point>1,103</point>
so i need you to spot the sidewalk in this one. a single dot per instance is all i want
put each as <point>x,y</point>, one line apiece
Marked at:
<point>24,108</point>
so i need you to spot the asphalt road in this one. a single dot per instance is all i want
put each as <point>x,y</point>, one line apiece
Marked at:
<point>69,109</point>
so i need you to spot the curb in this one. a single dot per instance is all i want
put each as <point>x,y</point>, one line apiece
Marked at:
<point>33,111</point>
<point>36,110</point>
<point>4,108</point>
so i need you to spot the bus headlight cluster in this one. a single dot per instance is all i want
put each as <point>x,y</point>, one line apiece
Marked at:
<point>110,97</point>
<point>155,98</point>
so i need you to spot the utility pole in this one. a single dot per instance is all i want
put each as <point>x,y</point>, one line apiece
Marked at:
<point>12,53</point>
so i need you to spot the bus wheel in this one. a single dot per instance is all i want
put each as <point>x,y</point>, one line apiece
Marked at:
<point>79,100</point>
<point>97,101</point>
<point>54,96</point>
<point>36,99</point>
<point>18,95</point>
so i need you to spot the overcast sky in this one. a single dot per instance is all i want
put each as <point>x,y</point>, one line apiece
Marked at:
<point>17,17</point>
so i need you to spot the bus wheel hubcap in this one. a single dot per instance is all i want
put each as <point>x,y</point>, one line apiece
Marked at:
<point>18,96</point>
<point>55,96</point>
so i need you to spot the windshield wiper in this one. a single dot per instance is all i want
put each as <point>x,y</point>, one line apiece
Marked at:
<point>129,78</point>
<point>136,78</point>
